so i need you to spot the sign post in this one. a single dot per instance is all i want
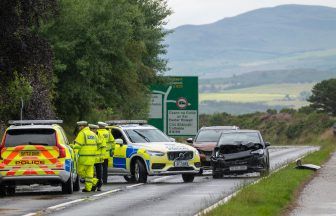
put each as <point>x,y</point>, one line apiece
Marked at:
<point>174,106</point>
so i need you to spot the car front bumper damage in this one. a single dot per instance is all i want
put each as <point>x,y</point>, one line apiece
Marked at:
<point>242,162</point>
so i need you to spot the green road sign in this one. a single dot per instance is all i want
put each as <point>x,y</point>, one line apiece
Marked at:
<point>174,106</point>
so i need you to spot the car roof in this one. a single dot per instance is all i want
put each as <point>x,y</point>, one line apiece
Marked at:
<point>134,126</point>
<point>16,127</point>
<point>242,131</point>
<point>220,128</point>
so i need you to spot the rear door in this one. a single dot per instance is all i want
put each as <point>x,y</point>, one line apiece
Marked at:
<point>29,148</point>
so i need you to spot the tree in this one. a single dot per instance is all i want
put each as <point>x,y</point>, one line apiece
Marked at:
<point>323,96</point>
<point>25,59</point>
<point>107,52</point>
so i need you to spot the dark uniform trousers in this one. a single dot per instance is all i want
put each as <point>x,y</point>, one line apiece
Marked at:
<point>99,174</point>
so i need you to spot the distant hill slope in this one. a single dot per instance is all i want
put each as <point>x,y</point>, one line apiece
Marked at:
<point>257,78</point>
<point>283,37</point>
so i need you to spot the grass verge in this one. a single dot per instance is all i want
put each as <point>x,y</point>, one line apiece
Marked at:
<point>273,195</point>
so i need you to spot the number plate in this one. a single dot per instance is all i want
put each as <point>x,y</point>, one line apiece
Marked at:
<point>238,168</point>
<point>29,153</point>
<point>181,163</point>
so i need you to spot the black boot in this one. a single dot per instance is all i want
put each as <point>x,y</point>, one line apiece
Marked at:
<point>94,188</point>
<point>85,191</point>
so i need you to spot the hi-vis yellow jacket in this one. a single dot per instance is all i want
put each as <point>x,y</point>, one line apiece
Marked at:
<point>86,143</point>
<point>103,136</point>
<point>109,144</point>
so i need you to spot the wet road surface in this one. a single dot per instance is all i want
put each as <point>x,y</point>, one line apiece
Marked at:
<point>166,195</point>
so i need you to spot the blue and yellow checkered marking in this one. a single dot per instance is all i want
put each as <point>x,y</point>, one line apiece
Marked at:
<point>130,151</point>
<point>120,162</point>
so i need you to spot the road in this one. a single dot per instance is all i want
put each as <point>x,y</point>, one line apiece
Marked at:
<point>166,195</point>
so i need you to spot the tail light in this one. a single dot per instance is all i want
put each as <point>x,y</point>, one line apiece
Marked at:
<point>61,149</point>
<point>2,144</point>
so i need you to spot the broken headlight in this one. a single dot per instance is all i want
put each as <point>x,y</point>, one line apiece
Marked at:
<point>258,152</point>
<point>216,153</point>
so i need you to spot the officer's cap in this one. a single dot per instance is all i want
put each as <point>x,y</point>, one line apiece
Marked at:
<point>102,124</point>
<point>82,123</point>
<point>93,126</point>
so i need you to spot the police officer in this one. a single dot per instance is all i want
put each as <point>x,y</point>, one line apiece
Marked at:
<point>86,144</point>
<point>101,146</point>
<point>107,153</point>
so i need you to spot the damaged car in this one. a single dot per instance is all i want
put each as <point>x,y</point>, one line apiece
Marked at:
<point>205,142</point>
<point>240,152</point>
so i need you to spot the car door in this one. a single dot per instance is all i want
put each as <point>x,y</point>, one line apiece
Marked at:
<point>119,153</point>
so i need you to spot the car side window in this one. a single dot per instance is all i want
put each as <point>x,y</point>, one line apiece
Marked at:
<point>65,139</point>
<point>118,135</point>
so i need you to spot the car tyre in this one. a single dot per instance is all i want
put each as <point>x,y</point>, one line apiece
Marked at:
<point>67,187</point>
<point>265,172</point>
<point>129,178</point>
<point>76,186</point>
<point>3,190</point>
<point>217,175</point>
<point>11,190</point>
<point>188,178</point>
<point>140,172</point>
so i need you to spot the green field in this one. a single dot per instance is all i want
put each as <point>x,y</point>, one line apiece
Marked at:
<point>287,95</point>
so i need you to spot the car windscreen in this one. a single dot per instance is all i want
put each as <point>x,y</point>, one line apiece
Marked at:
<point>238,138</point>
<point>208,135</point>
<point>146,135</point>
<point>16,137</point>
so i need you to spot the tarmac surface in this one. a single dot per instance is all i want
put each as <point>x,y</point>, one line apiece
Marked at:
<point>318,198</point>
<point>162,195</point>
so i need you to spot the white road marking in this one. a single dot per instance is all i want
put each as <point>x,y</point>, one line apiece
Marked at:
<point>107,192</point>
<point>81,200</point>
<point>135,185</point>
<point>65,204</point>
<point>29,214</point>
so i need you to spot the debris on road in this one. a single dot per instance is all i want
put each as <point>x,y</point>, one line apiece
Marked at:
<point>299,165</point>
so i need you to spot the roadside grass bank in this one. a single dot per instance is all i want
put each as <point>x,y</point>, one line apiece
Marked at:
<point>275,194</point>
<point>288,127</point>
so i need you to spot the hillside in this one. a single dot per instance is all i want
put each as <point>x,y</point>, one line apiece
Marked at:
<point>283,37</point>
<point>257,78</point>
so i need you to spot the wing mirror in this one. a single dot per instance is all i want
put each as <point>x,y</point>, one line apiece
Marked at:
<point>172,139</point>
<point>119,141</point>
<point>267,144</point>
<point>190,140</point>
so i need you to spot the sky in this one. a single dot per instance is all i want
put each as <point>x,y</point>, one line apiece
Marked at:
<point>207,11</point>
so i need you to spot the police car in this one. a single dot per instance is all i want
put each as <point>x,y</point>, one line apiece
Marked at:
<point>142,150</point>
<point>37,152</point>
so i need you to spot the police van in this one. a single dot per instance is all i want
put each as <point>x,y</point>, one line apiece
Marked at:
<point>37,152</point>
<point>141,150</point>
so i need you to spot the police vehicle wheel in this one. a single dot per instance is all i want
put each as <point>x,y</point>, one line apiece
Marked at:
<point>11,190</point>
<point>3,190</point>
<point>188,177</point>
<point>76,186</point>
<point>67,187</point>
<point>129,178</point>
<point>140,172</point>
